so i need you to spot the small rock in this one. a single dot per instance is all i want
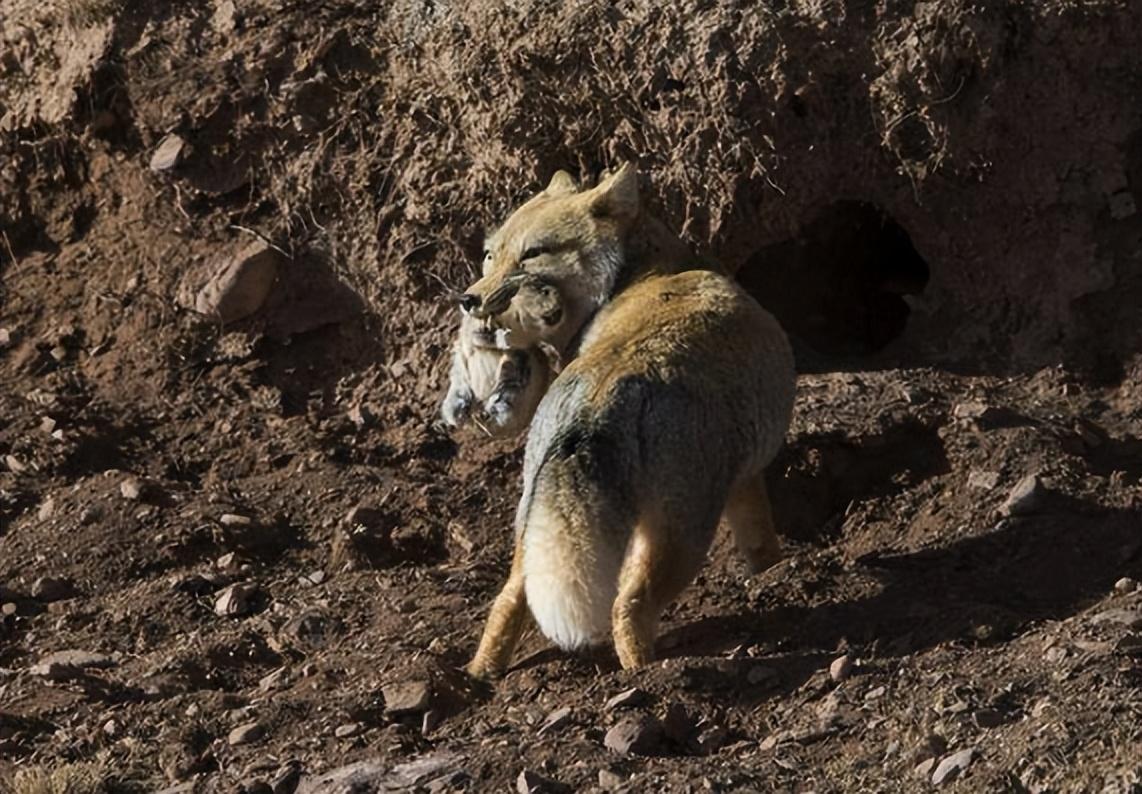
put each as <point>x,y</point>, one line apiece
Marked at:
<point>530,782</point>
<point>8,608</point>
<point>971,409</point>
<point>407,697</point>
<point>1125,585</point>
<point>245,734</point>
<point>924,768</point>
<point>634,735</point>
<point>241,285</point>
<point>5,338</point>
<point>237,600</point>
<point>112,728</point>
<point>59,353</point>
<point>841,668</point>
<point>348,730</point>
<point>556,721</point>
<point>235,520</point>
<point>14,464</point>
<point>1130,618</point>
<point>48,425</point>
<point>983,480</point>
<point>609,780</point>
<point>55,671</point>
<point>1026,498</point>
<point>314,577</point>
<point>875,693</point>
<point>47,509</point>
<point>167,154</point>
<point>48,588</point>
<point>131,488</point>
<point>630,698</point>
<point>227,561</point>
<point>952,766</point>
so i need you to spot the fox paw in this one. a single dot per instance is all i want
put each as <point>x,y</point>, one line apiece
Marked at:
<point>499,409</point>
<point>457,406</point>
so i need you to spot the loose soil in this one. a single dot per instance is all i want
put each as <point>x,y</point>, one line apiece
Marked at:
<point>939,200</point>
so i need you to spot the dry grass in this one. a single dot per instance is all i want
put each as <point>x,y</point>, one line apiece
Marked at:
<point>77,778</point>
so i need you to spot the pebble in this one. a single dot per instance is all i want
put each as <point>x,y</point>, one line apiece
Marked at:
<point>47,509</point>
<point>634,735</point>
<point>348,730</point>
<point>5,338</point>
<point>924,768</point>
<point>111,728</point>
<point>1026,497</point>
<point>952,766</point>
<point>245,734</point>
<point>14,464</point>
<point>1125,585</point>
<point>168,153</point>
<point>235,520</point>
<point>841,668</point>
<point>8,608</point>
<point>556,720</point>
<point>236,600</point>
<point>80,659</point>
<point>131,488</point>
<point>407,697</point>
<point>628,699</point>
<point>48,425</point>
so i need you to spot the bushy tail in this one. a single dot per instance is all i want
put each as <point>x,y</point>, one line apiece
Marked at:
<point>571,563</point>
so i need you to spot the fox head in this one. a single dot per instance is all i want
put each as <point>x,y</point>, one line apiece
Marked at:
<point>573,239</point>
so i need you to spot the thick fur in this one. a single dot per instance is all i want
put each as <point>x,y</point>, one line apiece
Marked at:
<point>679,393</point>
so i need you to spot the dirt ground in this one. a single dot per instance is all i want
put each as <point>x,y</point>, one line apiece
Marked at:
<point>244,557</point>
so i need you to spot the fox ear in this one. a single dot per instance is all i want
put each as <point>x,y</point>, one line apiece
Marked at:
<point>561,184</point>
<point>617,195</point>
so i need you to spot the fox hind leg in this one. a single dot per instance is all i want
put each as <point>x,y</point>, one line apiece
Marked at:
<point>504,626</point>
<point>750,518</point>
<point>655,570</point>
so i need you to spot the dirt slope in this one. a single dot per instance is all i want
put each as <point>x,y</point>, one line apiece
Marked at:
<point>938,199</point>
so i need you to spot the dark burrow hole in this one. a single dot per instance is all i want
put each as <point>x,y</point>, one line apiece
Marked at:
<point>839,286</point>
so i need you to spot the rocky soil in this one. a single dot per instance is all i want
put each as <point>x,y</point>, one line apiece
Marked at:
<point>237,553</point>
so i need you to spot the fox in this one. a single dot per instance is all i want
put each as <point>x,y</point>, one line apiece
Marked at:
<point>519,324</point>
<point>677,392</point>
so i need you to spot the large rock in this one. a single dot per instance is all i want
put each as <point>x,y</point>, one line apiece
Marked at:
<point>241,285</point>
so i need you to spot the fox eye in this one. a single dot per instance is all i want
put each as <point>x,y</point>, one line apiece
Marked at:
<point>533,252</point>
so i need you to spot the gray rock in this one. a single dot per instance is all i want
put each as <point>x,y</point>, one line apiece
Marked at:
<point>237,600</point>
<point>241,285</point>
<point>952,766</point>
<point>247,733</point>
<point>81,660</point>
<point>629,698</point>
<point>1125,585</point>
<point>376,776</point>
<point>556,721</point>
<point>983,480</point>
<point>348,730</point>
<point>407,697</point>
<point>635,736</point>
<point>168,153</point>
<point>841,668</point>
<point>1026,498</point>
